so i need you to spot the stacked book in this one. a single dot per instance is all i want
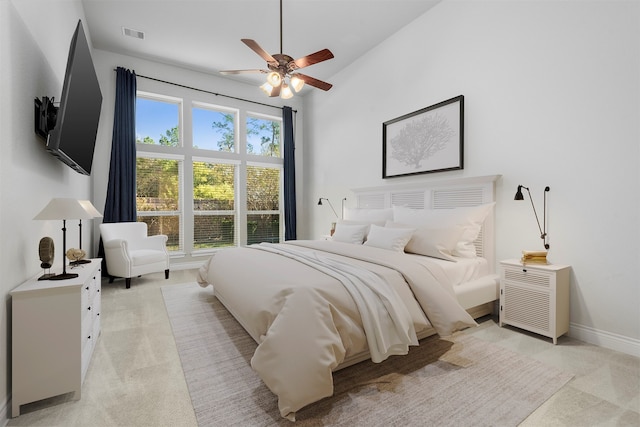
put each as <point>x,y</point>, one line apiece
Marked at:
<point>534,257</point>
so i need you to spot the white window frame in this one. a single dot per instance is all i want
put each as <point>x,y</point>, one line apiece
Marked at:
<point>187,154</point>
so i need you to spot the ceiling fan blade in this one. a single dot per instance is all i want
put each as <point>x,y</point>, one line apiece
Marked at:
<point>315,82</point>
<point>314,58</point>
<point>253,45</point>
<point>243,71</point>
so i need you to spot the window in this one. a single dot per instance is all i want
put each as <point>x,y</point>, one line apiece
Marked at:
<point>157,121</point>
<point>210,177</point>
<point>213,129</point>
<point>263,204</point>
<point>263,136</point>
<point>158,186</point>
<point>214,208</point>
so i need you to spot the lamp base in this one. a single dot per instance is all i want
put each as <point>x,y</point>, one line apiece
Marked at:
<point>46,276</point>
<point>80,261</point>
<point>63,276</point>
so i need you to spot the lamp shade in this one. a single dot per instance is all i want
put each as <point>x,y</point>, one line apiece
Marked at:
<point>296,82</point>
<point>91,210</point>
<point>62,208</point>
<point>274,79</point>
<point>267,88</point>
<point>286,92</point>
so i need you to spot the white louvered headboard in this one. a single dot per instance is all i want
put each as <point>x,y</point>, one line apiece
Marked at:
<point>446,194</point>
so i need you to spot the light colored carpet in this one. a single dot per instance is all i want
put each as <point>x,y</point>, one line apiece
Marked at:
<point>456,382</point>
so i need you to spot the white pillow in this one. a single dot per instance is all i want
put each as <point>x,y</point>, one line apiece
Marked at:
<point>367,223</point>
<point>435,242</point>
<point>349,233</point>
<point>368,215</point>
<point>393,239</point>
<point>469,218</point>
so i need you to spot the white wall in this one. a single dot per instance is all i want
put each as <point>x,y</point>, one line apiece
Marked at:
<point>34,44</point>
<point>552,92</point>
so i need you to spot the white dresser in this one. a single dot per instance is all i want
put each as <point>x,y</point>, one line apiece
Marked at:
<point>55,326</point>
<point>535,297</point>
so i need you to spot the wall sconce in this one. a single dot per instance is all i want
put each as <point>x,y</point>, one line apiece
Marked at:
<point>328,201</point>
<point>543,230</point>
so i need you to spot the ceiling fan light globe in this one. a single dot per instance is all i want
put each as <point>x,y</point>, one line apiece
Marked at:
<point>274,79</point>
<point>267,88</point>
<point>297,83</point>
<point>286,93</point>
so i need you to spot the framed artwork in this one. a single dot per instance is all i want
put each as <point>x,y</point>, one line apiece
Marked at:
<point>425,141</point>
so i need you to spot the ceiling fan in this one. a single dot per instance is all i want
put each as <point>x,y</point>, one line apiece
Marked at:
<point>282,67</point>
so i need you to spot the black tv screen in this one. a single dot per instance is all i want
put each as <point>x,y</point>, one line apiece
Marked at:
<point>73,137</point>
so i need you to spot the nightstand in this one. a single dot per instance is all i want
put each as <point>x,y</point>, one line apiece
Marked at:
<point>535,297</point>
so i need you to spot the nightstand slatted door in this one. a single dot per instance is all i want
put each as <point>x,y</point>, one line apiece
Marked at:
<point>535,298</point>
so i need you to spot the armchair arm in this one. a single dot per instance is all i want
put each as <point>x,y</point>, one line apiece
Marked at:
<point>115,244</point>
<point>116,252</point>
<point>157,242</point>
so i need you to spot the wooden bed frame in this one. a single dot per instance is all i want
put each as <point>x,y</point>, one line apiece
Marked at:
<point>478,296</point>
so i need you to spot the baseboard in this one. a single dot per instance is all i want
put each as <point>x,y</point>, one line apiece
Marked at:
<point>194,265</point>
<point>605,339</point>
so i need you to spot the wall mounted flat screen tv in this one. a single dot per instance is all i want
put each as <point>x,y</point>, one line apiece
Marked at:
<point>73,137</point>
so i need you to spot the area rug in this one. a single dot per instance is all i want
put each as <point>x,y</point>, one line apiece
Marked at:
<point>459,381</point>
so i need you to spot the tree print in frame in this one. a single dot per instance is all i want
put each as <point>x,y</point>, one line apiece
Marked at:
<point>425,141</point>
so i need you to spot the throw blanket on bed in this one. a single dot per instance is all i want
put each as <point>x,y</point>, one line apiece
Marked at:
<point>386,320</point>
<point>304,320</point>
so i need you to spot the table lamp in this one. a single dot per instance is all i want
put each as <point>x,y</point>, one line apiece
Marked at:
<point>64,209</point>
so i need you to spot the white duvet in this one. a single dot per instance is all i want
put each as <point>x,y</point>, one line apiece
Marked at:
<point>305,319</point>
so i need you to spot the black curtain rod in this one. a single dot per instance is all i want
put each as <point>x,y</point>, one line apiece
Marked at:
<point>209,92</point>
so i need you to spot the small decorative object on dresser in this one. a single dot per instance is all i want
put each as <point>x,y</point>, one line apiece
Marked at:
<point>535,297</point>
<point>46,252</point>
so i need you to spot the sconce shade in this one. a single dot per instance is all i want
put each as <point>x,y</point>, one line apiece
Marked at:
<point>519,195</point>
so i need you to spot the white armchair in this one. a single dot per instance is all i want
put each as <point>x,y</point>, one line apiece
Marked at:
<point>130,252</point>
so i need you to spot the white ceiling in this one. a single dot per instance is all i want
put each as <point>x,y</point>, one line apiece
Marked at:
<point>204,35</point>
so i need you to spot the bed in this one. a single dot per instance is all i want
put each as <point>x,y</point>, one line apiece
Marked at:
<point>408,261</point>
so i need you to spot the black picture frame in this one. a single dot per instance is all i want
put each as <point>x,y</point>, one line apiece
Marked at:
<point>425,141</point>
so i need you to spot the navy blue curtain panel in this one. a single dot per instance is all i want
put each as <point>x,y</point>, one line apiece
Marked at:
<point>289,175</point>
<point>120,205</point>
